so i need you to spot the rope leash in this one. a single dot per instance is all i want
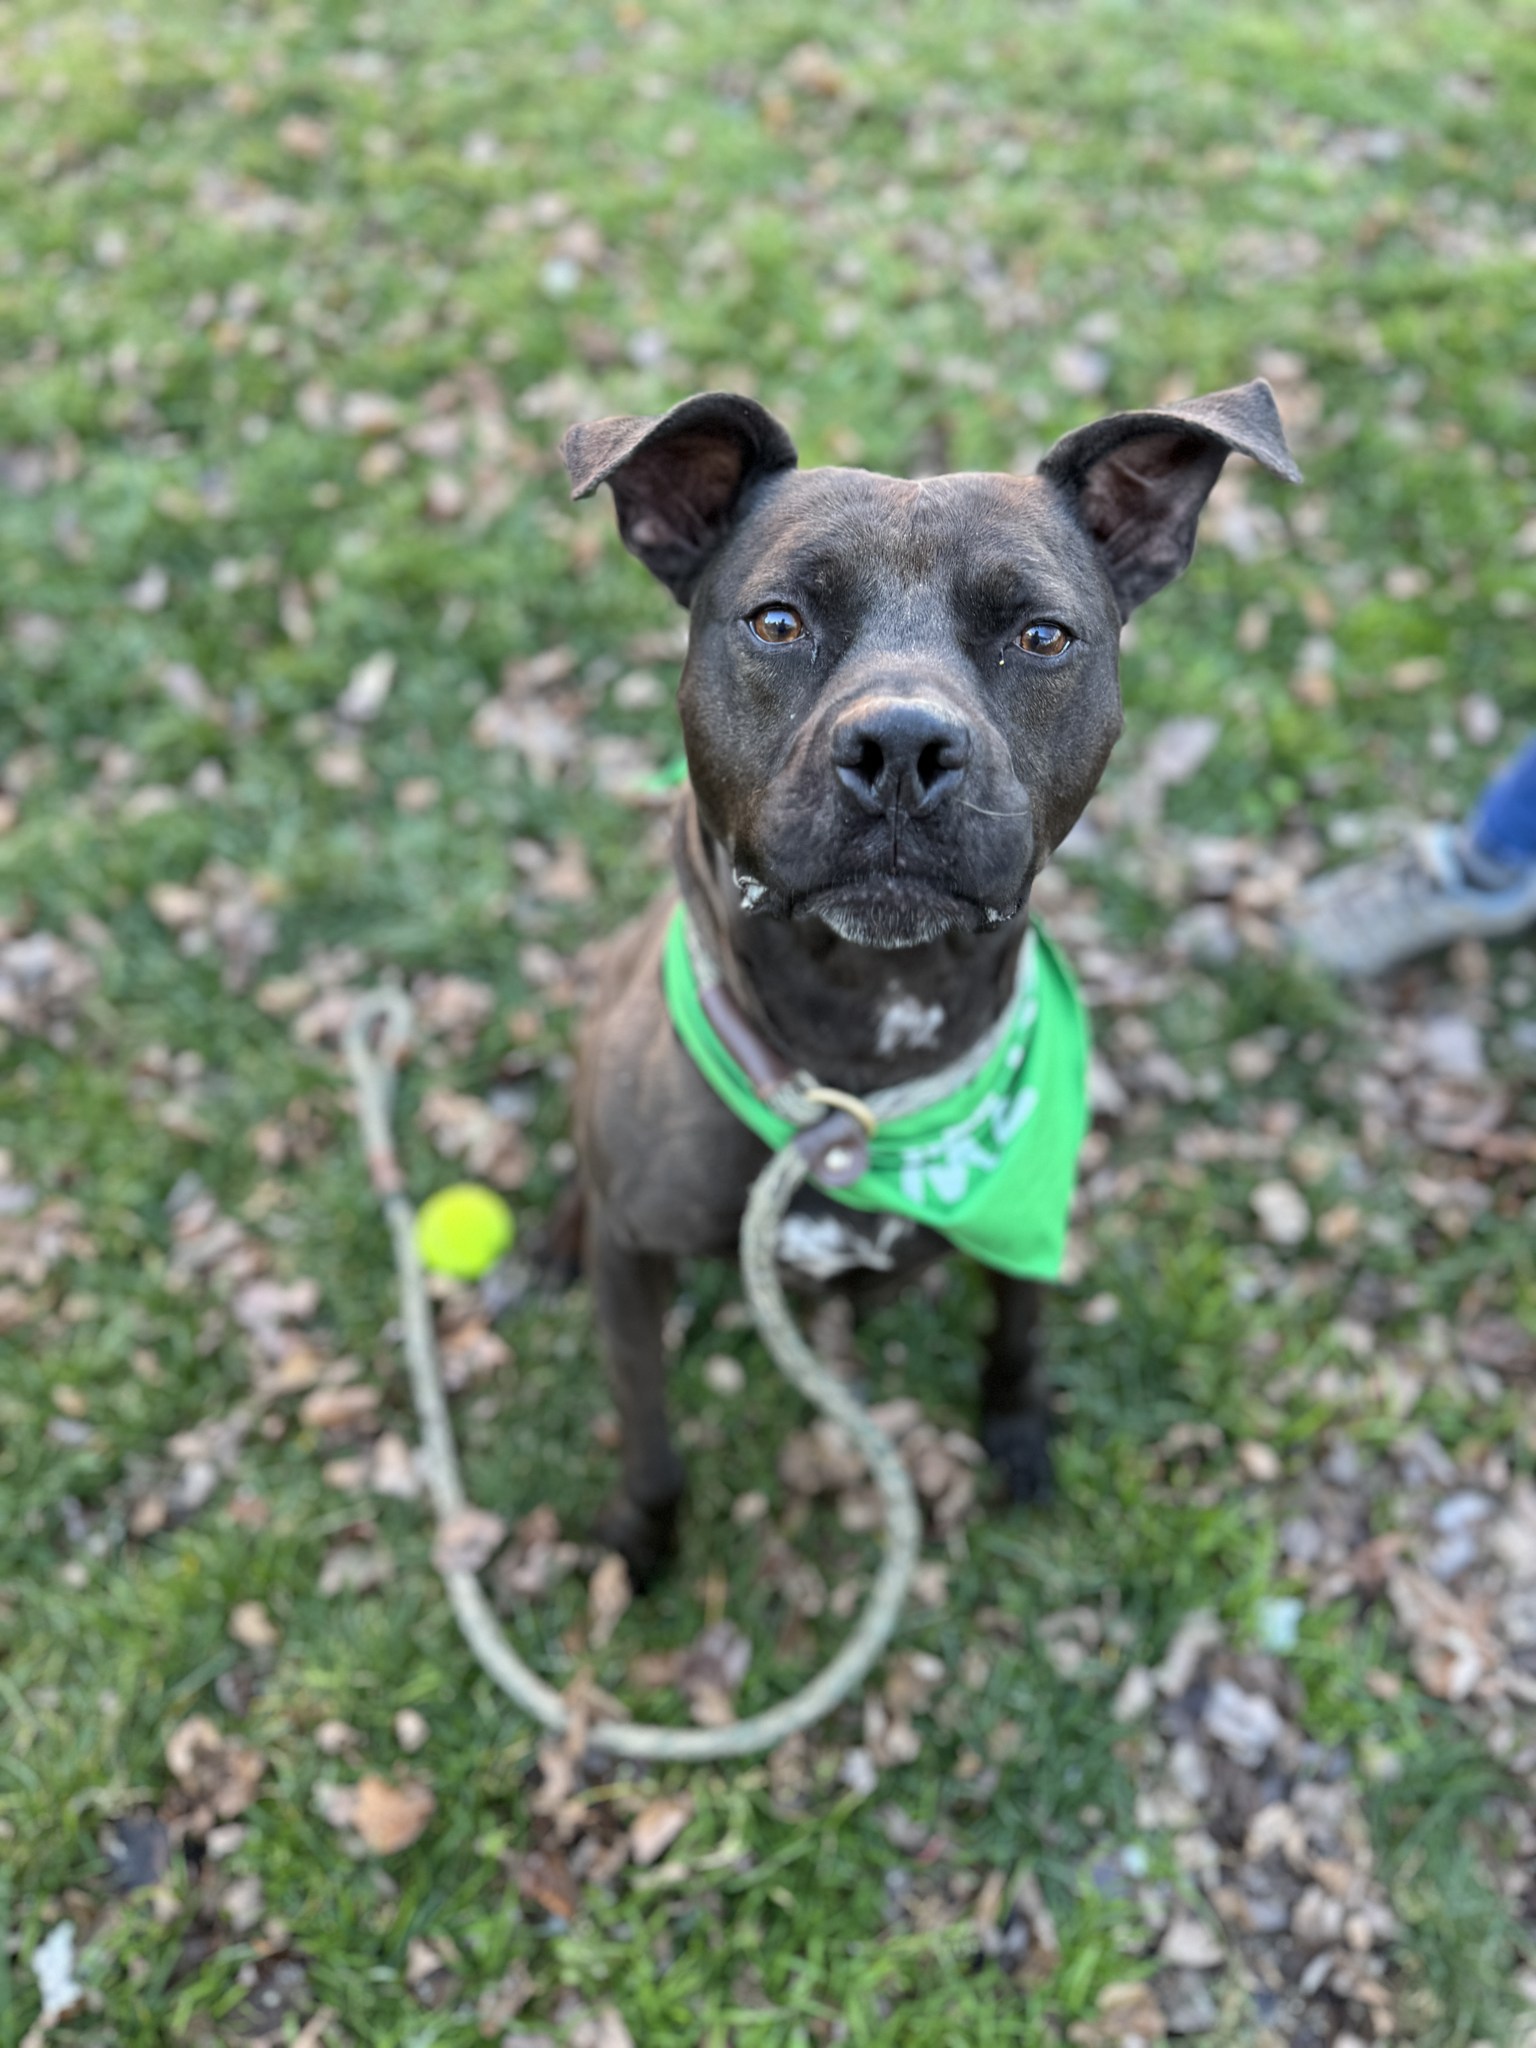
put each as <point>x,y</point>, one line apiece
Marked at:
<point>374,1066</point>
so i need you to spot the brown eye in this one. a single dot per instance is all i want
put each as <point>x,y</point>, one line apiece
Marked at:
<point>776,623</point>
<point>1044,636</point>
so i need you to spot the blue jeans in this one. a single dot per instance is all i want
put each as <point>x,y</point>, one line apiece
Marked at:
<point>1504,823</point>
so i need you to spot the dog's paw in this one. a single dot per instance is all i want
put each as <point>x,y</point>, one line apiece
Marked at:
<point>1020,1447</point>
<point>646,1538</point>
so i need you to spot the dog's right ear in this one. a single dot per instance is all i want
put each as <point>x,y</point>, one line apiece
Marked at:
<point>677,480</point>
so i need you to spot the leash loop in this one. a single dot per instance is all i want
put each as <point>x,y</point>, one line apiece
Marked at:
<point>374,1065</point>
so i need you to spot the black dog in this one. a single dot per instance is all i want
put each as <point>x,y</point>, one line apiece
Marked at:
<point>898,697</point>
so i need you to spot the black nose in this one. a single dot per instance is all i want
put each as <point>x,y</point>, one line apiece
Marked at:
<point>890,753</point>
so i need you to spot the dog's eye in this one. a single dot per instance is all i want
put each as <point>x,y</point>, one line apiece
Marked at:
<point>1044,636</point>
<point>776,623</point>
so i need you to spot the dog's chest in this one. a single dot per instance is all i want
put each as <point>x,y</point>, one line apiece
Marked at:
<point>824,1244</point>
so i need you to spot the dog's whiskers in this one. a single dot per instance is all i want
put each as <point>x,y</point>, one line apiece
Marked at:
<point>985,813</point>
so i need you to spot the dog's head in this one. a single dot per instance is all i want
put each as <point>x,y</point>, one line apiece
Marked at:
<point>898,697</point>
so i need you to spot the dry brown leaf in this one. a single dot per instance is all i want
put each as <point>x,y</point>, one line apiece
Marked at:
<point>545,1877</point>
<point>339,1407</point>
<point>604,2028</point>
<point>252,1627</point>
<point>536,1558</point>
<point>228,912</point>
<point>1028,1906</point>
<point>392,1468</point>
<point>542,671</point>
<point>213,1768</point>
<point>452,1007</point>
<point>1452,1650</point>
<point>388,1816</point>
<point>316,2028</point>
<point>546,738</point>
<point>368,689</point>
<point>303,136</point>
<point>500,2003</point>
<point>343,766</point>
<point>334,1737</point>
<point>427,1967</point>
<point>242,1902</point>
<point>811,68</point>
<point>711,1671</point>
<point>356,1568</point>
<point>1246,1724</point>
<point>472,1351</point>
<point>41,984</point>
<point>890,1739</point>
<point>468,1540</point>
<point>465,1129</point>
<point>565,877</point>
<point>1135,1693</point>
<point>657,1826</point>
<point>1127,2011</point>
<point>608,1596</point>
<point>1282,1212</point>
<point>412,1730</point>
<point>1190,1944</point>
<point>176,905</point>
<point>369,414</point>
<point>1196,1633</point>
<point>446,495</point>
<point>819,1460</point>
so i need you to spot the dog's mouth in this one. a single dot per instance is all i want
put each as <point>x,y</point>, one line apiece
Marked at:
<point>894,912</point>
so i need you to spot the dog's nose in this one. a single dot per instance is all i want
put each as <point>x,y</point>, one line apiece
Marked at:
<point>891,754</point>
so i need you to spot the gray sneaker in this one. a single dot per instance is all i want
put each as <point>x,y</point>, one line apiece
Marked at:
<point>1372,915</point>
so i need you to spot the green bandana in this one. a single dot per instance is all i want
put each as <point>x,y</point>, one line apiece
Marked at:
<point>993,1166</point>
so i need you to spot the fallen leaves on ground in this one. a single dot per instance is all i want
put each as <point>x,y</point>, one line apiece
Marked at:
<point>657,1826</point>
<point>943,1465</point>
<point>219,1774</point>
<point>609,1594</point>
<point>387,1815</point>
<point>44,980</point>
<point>467,1540</point>
<point>470,1131</point>
<point>225,911</point>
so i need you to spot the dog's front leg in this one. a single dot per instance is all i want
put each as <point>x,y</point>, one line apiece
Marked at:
<point>1015,1400</point>
<point>630,1291</point>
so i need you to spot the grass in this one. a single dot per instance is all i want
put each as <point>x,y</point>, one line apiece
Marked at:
<point>889,239</point>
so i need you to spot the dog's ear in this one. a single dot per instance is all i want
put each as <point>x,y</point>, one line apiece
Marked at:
<point>677,480</point>
<point>1137,480</point>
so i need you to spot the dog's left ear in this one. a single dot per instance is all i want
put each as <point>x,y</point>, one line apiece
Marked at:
<point>678,480</point>
<point>1137,480</point>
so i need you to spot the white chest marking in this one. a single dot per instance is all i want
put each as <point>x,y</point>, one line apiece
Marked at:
<point>906,1025</point>
<point>821,1247</point>
<point>752,890</point>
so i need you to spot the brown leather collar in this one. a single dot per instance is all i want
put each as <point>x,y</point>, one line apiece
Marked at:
<point>837,1147</point>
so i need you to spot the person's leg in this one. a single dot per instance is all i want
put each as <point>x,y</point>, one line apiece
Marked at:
<point>1473,881</point>
<point>1501,836</point>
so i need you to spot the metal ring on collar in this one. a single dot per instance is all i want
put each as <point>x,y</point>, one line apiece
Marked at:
<point>834,1098</point>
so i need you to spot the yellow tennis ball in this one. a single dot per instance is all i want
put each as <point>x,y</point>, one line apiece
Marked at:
<point>463,1230</point>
